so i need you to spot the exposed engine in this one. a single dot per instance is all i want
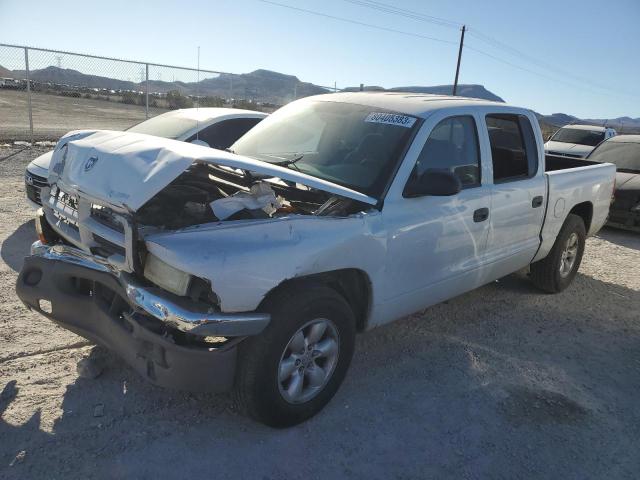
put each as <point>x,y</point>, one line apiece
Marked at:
<point>187,200</point>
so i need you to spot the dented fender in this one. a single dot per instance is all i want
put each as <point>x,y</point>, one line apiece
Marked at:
<point>244,260</point>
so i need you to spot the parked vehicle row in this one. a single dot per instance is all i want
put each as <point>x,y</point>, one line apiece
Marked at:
<point>577,141</point>
<point>253,269</point>
<point>624,152</point>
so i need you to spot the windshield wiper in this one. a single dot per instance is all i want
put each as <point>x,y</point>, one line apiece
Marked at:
<point>290,162</point>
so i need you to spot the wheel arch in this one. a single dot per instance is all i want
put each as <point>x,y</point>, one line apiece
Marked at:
<point>352,283</point>
<point>585,211</point>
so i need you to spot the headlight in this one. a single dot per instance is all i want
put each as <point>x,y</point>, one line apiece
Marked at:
<point>166,276</point>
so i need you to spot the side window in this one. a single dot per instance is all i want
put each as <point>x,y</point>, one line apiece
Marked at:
<point>513,147</point>
<point>223,134</point>
<point>453,146</point>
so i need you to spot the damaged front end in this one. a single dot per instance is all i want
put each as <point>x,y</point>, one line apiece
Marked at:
<point>94,271</point>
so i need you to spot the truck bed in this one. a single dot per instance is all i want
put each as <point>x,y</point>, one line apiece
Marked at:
<point>575,183</point>
<point>556,162</point>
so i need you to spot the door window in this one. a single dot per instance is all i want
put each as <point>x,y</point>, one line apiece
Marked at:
<point>452,146</point>
<point>513,147</point>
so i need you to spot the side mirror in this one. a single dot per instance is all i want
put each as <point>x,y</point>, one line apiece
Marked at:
<point>439,183</point>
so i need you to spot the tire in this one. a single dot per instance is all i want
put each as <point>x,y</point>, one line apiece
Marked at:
<point>546,274</point>
<point>259,391</point>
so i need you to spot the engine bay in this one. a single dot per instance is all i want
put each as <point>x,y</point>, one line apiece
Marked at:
<point>191,199</point>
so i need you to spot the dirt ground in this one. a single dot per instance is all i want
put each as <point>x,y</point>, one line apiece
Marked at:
<point>502,382</point>
<point>53,116</point>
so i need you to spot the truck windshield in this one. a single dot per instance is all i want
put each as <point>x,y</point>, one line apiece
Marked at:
<point>352,145</point>
<point>625,156</point>
<point>579,136</point>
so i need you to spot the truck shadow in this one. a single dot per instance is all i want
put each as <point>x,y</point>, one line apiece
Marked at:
<point>497,380</point>
<point>17,245</point>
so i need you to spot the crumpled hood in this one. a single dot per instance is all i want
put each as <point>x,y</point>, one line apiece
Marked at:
<point>573,148</point>
<point>126,169</point>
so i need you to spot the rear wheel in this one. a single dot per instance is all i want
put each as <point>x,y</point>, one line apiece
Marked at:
<point>556,272</point>
<point>290,371</point>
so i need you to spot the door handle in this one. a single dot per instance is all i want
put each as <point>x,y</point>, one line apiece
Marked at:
<point>537,201</point>
<point>480,215</point>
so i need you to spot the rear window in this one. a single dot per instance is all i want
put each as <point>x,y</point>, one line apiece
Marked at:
<point>579,136</point>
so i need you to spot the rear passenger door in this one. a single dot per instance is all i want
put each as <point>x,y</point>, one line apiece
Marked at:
<point>517,194</point>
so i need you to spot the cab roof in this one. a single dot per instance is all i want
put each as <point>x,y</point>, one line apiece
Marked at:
<point>416,104</point>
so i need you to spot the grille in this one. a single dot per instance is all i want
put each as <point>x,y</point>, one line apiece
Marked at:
<point>105,217</point>
<point>65,207</point>
<point>33,185</point>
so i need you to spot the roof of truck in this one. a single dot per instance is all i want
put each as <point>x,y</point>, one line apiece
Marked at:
<point>418,104</point>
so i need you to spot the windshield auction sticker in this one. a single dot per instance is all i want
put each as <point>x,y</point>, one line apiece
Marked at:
<point>391,119</point>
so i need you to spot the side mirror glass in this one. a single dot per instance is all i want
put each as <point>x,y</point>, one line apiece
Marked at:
<point>439,183</point>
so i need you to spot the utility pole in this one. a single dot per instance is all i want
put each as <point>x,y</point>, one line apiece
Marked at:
<point>455,83</point>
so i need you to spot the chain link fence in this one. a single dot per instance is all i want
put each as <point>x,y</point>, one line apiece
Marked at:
<point>46,93</point>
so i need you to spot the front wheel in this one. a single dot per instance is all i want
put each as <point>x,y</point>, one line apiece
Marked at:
<point>557,270</point>
<point>290,371</point>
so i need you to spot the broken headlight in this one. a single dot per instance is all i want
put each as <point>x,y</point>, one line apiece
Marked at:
<point>165,276</point>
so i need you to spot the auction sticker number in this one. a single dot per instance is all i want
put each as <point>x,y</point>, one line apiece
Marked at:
<point>391,119</point>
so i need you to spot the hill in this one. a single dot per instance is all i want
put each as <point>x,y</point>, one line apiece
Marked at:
<point>278,88</point>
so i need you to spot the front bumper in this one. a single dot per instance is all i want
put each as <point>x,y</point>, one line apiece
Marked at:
<point>111,309</point>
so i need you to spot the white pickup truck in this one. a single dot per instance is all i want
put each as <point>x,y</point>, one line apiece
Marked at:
<point>253,269</point>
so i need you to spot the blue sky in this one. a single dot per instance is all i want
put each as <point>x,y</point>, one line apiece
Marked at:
<point>584,53</point>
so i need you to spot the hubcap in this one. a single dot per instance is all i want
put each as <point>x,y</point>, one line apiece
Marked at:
<point>308,361</point>
<point>569,254</point>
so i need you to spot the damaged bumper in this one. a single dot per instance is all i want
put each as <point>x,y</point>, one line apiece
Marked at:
<point>150,330</point>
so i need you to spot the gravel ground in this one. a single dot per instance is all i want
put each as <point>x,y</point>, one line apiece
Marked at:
<point>502,382</point>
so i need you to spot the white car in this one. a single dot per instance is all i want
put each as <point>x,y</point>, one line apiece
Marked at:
<point>253,269</point>
<point>212,127</point>
<point>577,141</point>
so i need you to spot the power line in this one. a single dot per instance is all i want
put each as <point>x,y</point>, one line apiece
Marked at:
<point>384,7</point>
<point>412,14</point>
<point>514,51</point>
<point>404,12</point>
<point>356,22</point>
